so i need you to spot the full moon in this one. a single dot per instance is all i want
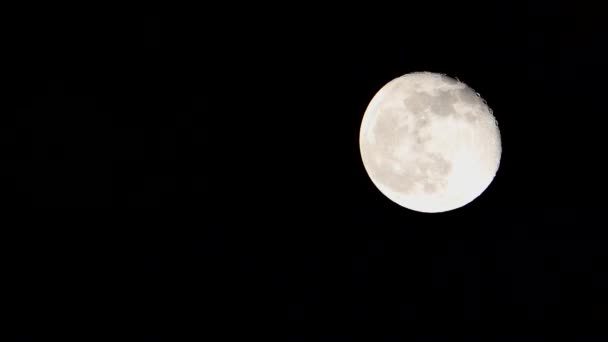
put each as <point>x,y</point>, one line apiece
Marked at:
<point>429,142</point>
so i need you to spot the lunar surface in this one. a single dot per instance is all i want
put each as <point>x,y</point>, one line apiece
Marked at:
<point>429,142</point>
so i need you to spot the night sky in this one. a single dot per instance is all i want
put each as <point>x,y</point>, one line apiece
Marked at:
<point>204,164</point>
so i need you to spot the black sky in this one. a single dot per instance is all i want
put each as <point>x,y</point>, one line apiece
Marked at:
<point>205,161</point>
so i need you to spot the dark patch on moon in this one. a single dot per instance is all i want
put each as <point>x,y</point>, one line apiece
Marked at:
<point>440,164</point>
<point>470,117</point>
<point>429,188</point>
<point>467,95</point>
<point>387,129</point>
<point>444,104</point>
<point>448,80</point>
<point>441,104</point>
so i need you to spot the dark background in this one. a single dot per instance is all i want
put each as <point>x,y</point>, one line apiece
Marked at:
<point>204,163</point>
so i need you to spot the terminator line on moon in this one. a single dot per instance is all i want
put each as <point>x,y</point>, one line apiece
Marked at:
<point>429,142</point>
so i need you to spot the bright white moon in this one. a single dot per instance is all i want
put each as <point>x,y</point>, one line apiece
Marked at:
<point>429,142</point>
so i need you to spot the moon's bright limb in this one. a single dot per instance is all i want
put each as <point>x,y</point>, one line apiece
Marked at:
<point>429,142</point>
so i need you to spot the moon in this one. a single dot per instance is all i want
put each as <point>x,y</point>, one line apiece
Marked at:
<point>429,142</point>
